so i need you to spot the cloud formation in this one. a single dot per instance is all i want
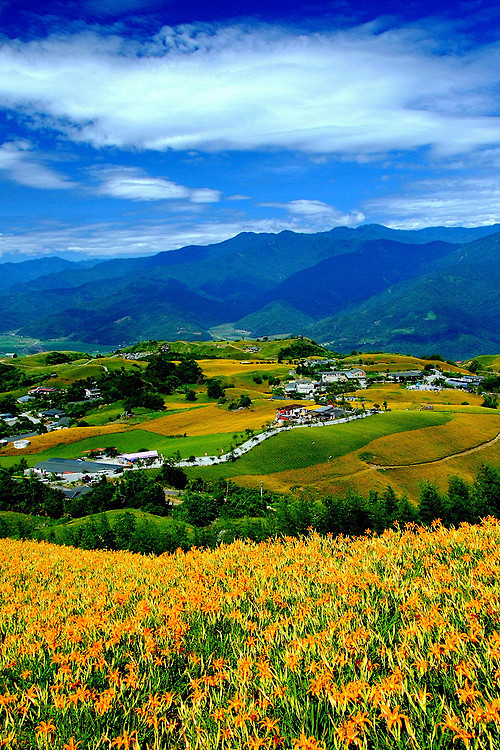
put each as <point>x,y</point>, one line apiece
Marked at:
<point>447,201</point>
<point>319,213</point>
<point>356,92</point>
<point>20,163</point>
<point>146,238</point>
<point>133,184</point>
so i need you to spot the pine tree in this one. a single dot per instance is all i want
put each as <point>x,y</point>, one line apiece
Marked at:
<point>431,504</point>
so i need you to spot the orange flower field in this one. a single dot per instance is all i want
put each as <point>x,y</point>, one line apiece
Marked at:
<point>385,641</point>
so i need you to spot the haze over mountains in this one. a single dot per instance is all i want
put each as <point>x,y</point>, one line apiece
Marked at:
<point>366,288</point>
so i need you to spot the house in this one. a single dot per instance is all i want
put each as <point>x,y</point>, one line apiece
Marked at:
<point>410,375</point>
<point>321,412</point>
<point>327,378</point>
<point>92,393</point>
<point>142,456</point>
<point>303,388</point>
<point>43,391</point>
<point>25,399</point>
<point>290,411</point>
<point>464,383</point>
<point>319,362</point>
<point>61,424</point>
<point>326,412</point>
<point>72,492</point>
<point>53,414</point>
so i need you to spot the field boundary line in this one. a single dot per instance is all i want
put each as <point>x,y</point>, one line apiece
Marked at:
<point>468,451</point>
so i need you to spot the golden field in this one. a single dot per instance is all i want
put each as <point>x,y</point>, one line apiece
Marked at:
<point>377,643</point>
<point>463,432</point>
<point>396,362</point>
<point>210,418</point>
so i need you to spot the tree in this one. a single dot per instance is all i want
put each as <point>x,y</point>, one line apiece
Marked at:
<point>215,389</point>
<point>124,529</point>
<point>431,504</point>
<point>198,508</point>
<point>459,501</point>
<point>56,358</point>
<point>188,371</point>
<point>490,402</point>
<point>173,476</point>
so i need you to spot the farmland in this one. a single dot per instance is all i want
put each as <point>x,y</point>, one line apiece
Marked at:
<point>419,433</point>
<point>382,640</point>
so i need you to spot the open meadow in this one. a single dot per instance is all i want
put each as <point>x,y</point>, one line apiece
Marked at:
<point>378,642</point>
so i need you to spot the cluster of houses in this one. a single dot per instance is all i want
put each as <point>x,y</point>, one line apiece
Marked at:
<point>311,388</point>
<point>299,414</point>
<point>423,380</point>
<point>163,349</point>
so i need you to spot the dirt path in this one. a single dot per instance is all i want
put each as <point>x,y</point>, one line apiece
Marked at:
<point>439,460</point>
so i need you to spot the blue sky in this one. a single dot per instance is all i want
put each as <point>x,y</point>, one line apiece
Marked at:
<point>130,127</point>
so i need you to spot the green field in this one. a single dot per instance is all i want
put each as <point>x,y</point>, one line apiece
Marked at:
<point>489,362</point>
<point>131,442</point>
<point>307,446</point>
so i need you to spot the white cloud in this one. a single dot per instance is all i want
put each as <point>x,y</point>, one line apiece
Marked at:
<point>19,162</point>
<point>449,202</point>
<point>321,214</point>
<point>115,239</point>
<point>133,184</point>
<point>358,92</point>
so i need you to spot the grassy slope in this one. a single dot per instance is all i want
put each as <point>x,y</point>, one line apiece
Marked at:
<point>398,437</point>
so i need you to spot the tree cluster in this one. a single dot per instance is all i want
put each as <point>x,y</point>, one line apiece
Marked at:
<point>301,348</point>
<point>11,378</point>
<point>221,511</point>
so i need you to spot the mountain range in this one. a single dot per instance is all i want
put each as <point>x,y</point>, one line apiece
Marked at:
<point>424,291</point>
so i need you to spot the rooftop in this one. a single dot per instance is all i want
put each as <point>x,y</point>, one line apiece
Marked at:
<point>72,466</point>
